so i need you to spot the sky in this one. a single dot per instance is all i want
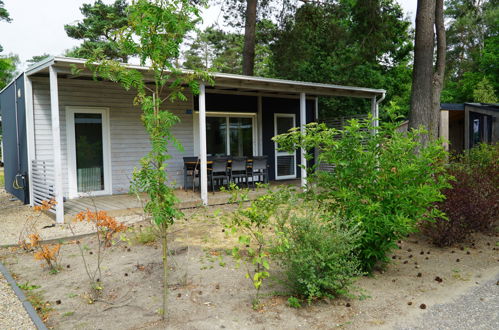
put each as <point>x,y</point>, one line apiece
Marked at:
<point>37,26</point>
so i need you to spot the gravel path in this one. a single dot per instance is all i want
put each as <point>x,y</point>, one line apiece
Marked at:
<point>476,309</point>
<point>12,313</point>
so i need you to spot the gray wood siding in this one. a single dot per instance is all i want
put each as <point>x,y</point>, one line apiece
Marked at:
<point>129,141</point>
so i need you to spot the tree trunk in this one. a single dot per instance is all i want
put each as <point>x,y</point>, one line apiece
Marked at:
<point>249,38</point>
<point>438,75</point>
<point>422,74</point>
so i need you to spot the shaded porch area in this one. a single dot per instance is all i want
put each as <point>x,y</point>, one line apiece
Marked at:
<point>128,204</point>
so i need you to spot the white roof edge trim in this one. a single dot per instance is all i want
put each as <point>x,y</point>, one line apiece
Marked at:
<point>70,60</point>
<point>40,65</point>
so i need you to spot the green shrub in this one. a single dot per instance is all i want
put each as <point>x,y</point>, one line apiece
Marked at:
<point>253,226</point>
<point>385,182</point>
<point>472,204</point>
<point>316,252</point>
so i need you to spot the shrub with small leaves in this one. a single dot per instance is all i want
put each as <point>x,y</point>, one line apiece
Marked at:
<point>386,182</point>
<point>317,251</point>
<point>30,239</point>
<point>472,203</point>
<point>252,224</point>
<point>106,228</point>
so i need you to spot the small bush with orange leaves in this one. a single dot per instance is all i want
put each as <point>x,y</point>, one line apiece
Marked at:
<point>30,240</point>
<point>106,228</point>
<point>47,252</point>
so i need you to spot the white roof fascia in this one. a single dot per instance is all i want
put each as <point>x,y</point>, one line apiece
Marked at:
<point>69,60</point>
<point>40,65</point>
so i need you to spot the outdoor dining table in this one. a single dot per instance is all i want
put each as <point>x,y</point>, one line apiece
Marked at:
<point>209,162</point>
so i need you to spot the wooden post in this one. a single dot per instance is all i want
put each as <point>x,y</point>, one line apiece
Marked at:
<point>260,127</point>
<point>56,140</point>
<point>303,122</point>
<point>202,144</point>
<point>466,128</point>
<point>444,128</point>
<point>375,114</point>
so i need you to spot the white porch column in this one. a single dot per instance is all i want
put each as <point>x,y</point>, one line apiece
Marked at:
<point>260,127</point>
<point>375,113</point>
<point>56,140</point>
<point>30,132</point>
<point>303,122</point>
<point>202,144</point>
<point>444,128</point>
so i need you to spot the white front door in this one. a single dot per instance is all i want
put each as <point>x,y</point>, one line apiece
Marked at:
<point>88,151</point>
<point>285,163</point>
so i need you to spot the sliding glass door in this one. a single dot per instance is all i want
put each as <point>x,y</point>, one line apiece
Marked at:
<point>227,134</point>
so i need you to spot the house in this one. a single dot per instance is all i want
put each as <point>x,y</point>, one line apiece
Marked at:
<point>467,124</point>
<point>61,129</point>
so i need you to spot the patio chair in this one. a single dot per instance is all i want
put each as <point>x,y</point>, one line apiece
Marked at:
<point>259,169</point>
<point>239,169</point>
<point>191,170</point>
<point>218,172</point>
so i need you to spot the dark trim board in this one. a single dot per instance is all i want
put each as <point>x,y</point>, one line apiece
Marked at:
<point>229,103</point>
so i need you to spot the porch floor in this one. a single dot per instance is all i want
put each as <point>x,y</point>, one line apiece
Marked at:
<point>127,204</point>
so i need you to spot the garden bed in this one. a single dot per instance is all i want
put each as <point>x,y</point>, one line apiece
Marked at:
<point>207,291</point>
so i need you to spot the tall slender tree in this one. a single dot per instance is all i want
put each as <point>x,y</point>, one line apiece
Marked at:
<point>249,38</point>
<point>427,79</point>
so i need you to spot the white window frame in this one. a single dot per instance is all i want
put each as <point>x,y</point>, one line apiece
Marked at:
<point>227,115</point>
<point>284,153</point>
<point>71,150</point>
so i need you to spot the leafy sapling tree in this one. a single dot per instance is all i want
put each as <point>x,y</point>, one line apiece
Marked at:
<point>155,31</point>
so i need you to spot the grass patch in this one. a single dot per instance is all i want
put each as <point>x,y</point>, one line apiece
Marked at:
<point>41,306</point>
<point>2,179</point>
<point>142,235</point>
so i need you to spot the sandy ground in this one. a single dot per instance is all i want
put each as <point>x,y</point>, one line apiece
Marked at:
<point>208,292</point>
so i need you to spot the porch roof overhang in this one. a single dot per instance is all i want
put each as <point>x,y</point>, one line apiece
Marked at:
<point>224,81</point>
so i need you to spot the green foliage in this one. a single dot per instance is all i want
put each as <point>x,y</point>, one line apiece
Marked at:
<point>294,302</point>
<point>4,14</point>
<point>484,92</point>
<point>360,43</point>
<point>8,69</point>
<point>97,30</point>
<point>473,48</point>
<point>143,235</point>
<point>252,225</point>
<point>37,58</point>
<point>154,31</point>
<point>220,51</point>
<point>385,182</point>
<point>316,250</point>
<point>28,287</point>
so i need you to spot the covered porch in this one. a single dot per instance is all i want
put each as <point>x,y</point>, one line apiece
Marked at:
<point>236,116</point>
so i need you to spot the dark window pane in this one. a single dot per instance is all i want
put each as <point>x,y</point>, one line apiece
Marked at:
<point>241,137</point>
<point>89,153</point>
<point>216,136</point>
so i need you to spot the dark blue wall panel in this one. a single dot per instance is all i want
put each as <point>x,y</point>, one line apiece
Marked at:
<point>229,103</point>
<point>271,106</point>
<point>14,137</point>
